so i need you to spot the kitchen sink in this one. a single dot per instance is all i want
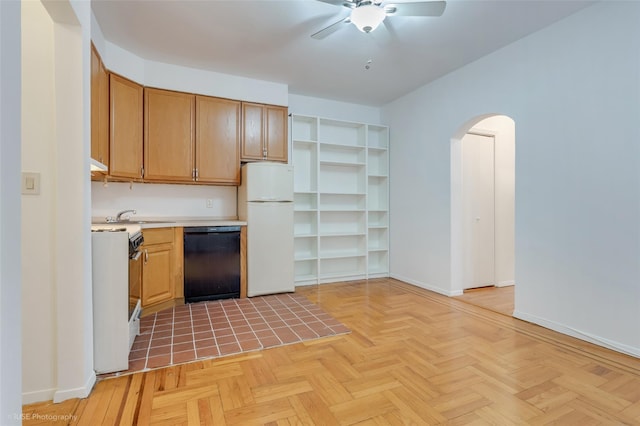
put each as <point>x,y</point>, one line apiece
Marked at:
<point>148,221</point>
<point>133,222</point>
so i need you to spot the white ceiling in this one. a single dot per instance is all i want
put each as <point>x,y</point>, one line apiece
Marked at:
<point>270,40</point>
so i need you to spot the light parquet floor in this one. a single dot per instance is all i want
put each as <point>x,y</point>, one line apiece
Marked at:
<point>497,299</point>
<point>413,357</point>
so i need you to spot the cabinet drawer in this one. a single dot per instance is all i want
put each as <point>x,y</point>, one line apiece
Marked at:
<point>157,236</point>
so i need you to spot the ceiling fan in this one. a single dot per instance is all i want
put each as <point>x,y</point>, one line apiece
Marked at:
<point>366,15</point>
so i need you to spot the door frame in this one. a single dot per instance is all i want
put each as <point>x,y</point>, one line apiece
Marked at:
<point>457,269</point>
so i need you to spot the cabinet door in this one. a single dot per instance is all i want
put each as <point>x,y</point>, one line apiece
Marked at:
<point>252,132</point>
<point>99,109</point>
<point>217,140</point>
<point>168,142</point>
<point>157,274</point>
<point>276,140</point>
<point>125,136</point>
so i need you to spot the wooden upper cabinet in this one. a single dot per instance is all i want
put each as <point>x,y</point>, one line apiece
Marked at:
<point>252,131</point>
<point>155,135</point>
<point>217,157</point>
<point>276,137</point>
<point>264,132</point>
<point>169,136</point>
<point>125,135</point>
<point>99,109</point>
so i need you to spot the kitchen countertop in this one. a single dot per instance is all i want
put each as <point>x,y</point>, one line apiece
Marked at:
<point>147,222</point>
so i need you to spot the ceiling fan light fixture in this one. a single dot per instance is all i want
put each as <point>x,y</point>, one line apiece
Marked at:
<point>367,18</point>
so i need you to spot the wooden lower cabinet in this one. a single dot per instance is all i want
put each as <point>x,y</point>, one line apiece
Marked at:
<point>162,276</point>
<point>156,274</point>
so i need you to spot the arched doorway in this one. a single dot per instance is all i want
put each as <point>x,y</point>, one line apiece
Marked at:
<point>482,205</point>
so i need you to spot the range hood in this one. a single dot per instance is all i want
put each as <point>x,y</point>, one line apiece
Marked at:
<point>97,166</point>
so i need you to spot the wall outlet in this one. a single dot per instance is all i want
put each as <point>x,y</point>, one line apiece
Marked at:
<point>209,203</point>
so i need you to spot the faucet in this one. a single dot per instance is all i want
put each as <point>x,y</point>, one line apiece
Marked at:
<point>119,218</point>
<point>119,215</point>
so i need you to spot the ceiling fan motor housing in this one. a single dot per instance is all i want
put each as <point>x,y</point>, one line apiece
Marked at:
<point>367,16</point>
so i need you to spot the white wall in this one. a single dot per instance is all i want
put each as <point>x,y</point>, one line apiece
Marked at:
<point>10,276</point>
<point>38,211</point>
<point>573,90</point>
<point>325,108</point>
<point>119,60</point>
<point>72,38</point>
<point>191,80</point>
<point>151,200</point>
<point>58,335</point>
<point>183,79</point>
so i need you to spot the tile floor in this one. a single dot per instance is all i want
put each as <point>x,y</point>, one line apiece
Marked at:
<point>216,328</point>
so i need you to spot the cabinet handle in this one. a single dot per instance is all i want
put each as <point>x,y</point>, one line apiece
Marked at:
<point>197,175</point>
<point>141,171</point>
<point>146,256</point>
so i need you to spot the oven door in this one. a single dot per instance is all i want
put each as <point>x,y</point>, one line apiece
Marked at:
<point>135,280</point>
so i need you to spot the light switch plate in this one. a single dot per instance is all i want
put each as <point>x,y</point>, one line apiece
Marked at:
<point>30,183</point>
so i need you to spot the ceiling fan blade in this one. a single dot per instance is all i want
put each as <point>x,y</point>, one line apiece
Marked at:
<point>428,8</point>
<point>390,29</point>
<point>330,29</point>
<point>345,3</point>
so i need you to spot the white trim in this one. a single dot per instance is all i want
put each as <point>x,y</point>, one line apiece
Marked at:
<point>483,132</point>
<point>457,246</point>
<point>377,275</point>
<point>81,392</point>
<point>505,283</point>
<point>38,396</point>
<point>340,279</point>
<point>306,283</point>
<point>425,286</point>
<point>561,328</point>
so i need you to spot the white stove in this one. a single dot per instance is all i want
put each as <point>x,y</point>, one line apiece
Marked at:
<point>115,250</point>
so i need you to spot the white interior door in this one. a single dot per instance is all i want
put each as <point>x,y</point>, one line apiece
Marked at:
<point>478,192</point>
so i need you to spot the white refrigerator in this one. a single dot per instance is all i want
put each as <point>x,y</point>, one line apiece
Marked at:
<point>265,202</point>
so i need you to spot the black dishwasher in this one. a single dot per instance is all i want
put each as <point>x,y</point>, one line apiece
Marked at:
<point>211,263</point>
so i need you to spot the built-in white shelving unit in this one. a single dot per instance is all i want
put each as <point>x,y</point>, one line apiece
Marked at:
<point>341,207</point>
